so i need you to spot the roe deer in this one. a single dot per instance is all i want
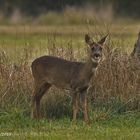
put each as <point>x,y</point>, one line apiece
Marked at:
<point>74,76</point>
<point>136,51</point>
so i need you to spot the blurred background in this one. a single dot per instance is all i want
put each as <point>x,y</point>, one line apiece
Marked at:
<point>66,11</point>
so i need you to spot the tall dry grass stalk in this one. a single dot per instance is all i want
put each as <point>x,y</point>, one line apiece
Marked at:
<point>117,79</point>
<point>15,82</point>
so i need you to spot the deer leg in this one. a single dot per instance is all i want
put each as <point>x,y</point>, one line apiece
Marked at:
<point>75,105</point>
<point>84,105</point>
<point>38,94</point>
<point>33,103</point>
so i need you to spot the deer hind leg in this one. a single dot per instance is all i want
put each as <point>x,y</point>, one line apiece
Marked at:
<point>75,105</point>
<point>37,95</point>
<point>84,105</point>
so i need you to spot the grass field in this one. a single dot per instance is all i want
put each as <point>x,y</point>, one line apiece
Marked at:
<point>118,127</point>
<point>114,104</point>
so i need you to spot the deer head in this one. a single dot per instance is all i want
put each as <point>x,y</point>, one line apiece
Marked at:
<point>95,48</point>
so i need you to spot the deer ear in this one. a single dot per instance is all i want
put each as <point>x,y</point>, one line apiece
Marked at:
<point>139,34</point>
<point>134,50</point>
<point>102,41</point>
<point>88,39</point>
<point>138,41</point>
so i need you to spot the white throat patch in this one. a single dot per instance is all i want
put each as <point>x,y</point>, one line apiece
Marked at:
<point>95,61</point>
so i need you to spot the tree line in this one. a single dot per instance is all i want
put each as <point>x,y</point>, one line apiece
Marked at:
<point>36,7</point>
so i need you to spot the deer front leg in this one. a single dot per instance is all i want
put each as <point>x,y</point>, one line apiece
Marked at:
<point>35,112</point>
<point>75,104</point>
<point>84,105</point>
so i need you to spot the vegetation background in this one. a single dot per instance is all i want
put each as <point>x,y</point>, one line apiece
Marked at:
<point>34,8</point>
<point>29,29</point>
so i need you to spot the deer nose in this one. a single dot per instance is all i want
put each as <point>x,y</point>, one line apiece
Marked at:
<point>96,55</point>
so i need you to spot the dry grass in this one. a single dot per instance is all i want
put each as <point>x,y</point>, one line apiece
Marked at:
<point>118,79</point>
<point>16,82</point>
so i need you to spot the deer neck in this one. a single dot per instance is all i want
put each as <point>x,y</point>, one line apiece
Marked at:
<point>89,68</point>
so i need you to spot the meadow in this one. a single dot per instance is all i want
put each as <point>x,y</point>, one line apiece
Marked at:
<point>114,100</point>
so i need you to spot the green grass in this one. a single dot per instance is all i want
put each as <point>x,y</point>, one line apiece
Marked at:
<point>116,127</point>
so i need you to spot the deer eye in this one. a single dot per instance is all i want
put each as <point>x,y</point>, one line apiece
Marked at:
<point>100,48</point>
<point>93,48</point>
